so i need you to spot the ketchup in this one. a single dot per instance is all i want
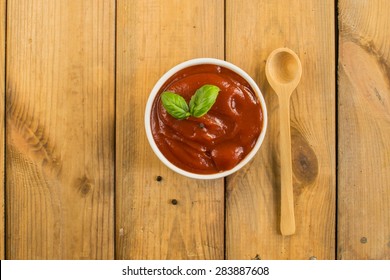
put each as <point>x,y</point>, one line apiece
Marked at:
<point>217,141</point>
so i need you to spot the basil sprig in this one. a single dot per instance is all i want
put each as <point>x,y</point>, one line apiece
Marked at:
<point>200,103</point>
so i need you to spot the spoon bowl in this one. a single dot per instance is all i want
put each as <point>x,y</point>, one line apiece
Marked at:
<point>284,70</point>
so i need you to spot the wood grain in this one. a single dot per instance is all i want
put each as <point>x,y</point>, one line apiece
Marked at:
<point>60,129</point>
<point>2,98</point>
<point>253,30</point>
<point>364,130</point>
<point>152,37</point>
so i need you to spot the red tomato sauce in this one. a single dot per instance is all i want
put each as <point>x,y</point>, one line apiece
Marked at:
<point>217,141</point>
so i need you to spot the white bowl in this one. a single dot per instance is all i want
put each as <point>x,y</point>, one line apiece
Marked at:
<point>170,73</point>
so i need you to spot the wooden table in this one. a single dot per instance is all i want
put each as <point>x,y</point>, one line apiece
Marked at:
<point>80,180</point>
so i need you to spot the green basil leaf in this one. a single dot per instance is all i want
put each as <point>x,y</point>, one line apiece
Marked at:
<point>203,99</point>
<point>175,105</point>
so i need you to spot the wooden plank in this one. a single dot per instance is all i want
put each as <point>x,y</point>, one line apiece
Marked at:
<point>2,97</point>
<point>364,130</point>
<point>153,36</point>
<point>253,30</point>
<point>60,129</point>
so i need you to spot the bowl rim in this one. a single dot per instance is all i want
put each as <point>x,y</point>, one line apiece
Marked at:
<point>193,62</point>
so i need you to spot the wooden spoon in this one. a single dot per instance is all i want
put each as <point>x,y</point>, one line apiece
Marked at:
<point>284,70</point>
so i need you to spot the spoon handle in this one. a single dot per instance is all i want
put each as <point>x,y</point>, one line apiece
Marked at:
<point>287,219</point>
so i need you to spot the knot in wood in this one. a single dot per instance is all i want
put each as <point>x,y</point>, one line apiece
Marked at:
<point>305,162</point>
<point>83,185</point>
